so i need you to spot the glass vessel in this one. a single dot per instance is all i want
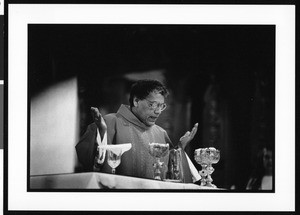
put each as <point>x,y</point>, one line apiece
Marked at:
<point>114,154</point>
<point>206,157</point>
<point>158,150</point>
<point>175,173</point>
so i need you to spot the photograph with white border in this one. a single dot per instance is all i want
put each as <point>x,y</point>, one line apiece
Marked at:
<point>21,17</point>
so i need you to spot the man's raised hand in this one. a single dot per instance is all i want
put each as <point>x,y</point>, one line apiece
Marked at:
<point>188,136</point>
<point>99,121</point>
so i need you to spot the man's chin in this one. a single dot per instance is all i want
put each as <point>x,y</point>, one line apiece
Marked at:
<point>150,123</point>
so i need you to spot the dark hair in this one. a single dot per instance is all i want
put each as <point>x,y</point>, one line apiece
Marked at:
<point>142,88</point>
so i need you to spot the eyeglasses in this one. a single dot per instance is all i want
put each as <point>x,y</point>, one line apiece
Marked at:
<point>153,105</point>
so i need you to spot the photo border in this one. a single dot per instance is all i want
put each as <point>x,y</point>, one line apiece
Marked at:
<point>19,15</point>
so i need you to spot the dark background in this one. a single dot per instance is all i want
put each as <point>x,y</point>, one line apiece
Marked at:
<point>2,47</point>
<point>1,116</point>
<point>1,78</point>
<point>221,76</point>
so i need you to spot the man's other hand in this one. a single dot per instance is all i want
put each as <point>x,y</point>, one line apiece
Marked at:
<point>188,136</point>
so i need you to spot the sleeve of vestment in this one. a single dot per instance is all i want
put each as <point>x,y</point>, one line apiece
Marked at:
<point>110,120</point>
<point>168,140</point>
<point>87,147</point>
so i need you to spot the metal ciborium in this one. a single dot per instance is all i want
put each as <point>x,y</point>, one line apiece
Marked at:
<point>158,150</point>
<point>206,157</point>
<point>175,169</point>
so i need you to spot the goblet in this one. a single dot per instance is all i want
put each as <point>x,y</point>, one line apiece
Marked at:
<point>114,153</point>
<point>206,157</point>
<point>158,150</point>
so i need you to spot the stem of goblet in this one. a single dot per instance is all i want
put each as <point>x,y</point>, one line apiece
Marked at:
<point>113,171</point>
<point>203,174</point>
<point>210,169</point>
<point>157,160</point>
<point>157,167</point>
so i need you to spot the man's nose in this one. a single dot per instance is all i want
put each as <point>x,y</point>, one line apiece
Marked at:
<point>157,111</point>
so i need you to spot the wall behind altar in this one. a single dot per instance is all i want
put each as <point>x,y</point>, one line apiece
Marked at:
<point>54,129</point>
<point>222,77</point>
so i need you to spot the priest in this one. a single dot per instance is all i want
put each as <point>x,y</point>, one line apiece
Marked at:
<point>134,124</point>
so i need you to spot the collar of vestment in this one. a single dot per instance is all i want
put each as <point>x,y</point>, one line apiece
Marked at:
<point>125,111</point>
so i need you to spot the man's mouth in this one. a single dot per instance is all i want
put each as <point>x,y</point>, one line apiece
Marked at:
<point>153,118</point>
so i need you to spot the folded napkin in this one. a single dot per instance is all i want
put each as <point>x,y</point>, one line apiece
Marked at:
<point>117,149</point>
<point>194,171</point>
<point>101,143</point>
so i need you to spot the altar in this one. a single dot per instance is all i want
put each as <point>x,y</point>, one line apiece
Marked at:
<point>100,181</point>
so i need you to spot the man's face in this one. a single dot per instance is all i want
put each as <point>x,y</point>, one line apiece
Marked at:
<point>144,112</point>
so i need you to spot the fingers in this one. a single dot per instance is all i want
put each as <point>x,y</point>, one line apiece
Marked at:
<point>194,130</point>
<point>192,133</point>
<point>188,136</point>
<point>95,111</point>
<point>98,119</point>
<point>185,135</point>
<point>94,108</point>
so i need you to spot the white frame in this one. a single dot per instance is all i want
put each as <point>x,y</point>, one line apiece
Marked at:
<point>283,16</point>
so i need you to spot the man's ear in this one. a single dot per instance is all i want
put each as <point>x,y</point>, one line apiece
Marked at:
<point>135,101</point>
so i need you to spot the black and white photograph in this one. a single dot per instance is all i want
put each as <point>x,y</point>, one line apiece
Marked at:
<point>221,85</point>
<point>116,106</point>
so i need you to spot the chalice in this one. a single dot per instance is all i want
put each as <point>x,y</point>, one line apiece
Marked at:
<point>158,150</point>
<point>114,153</point>
<point>206,157</point>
